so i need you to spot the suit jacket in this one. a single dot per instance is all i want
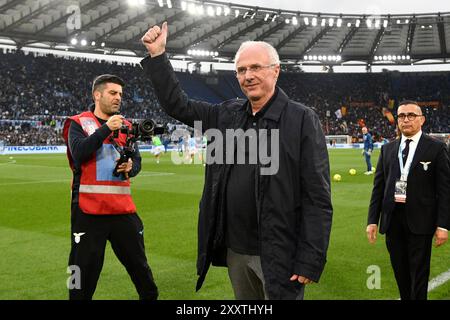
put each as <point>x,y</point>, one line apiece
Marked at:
<point>428,189</point>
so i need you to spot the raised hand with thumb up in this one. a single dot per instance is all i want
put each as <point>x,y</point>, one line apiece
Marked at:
<point>155,40</point>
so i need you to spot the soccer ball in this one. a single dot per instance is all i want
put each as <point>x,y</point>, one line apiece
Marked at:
<point>10,158</point>
<point>352,172</point>
<point>337,177</point>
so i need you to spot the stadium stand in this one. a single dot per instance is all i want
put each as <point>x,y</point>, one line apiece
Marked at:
<point>41,91</point>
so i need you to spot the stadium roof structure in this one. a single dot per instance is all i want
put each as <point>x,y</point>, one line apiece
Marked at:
<point>213,31</point>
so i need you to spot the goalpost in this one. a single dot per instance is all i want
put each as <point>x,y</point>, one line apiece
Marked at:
<point>338,139</point>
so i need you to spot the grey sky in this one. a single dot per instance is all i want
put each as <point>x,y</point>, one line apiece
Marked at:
<point>354,6</point>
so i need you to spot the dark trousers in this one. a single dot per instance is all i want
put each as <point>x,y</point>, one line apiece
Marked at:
<point>368,163</point>
<point>247,278</point>
<point>410,256</point>
<point>89,236</point>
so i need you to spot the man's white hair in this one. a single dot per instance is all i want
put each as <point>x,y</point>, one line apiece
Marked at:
<point>273,54</point>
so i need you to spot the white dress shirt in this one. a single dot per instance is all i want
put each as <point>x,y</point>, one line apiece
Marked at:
<point>412,150</point>
<point>412,145</point>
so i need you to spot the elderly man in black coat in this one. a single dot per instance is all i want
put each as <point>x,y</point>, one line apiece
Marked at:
<point>267,220</point>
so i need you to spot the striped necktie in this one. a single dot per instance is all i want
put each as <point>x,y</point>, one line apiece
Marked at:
<point>406,151</point>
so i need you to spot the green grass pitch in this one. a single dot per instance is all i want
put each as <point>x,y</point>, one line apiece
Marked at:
<point>35,234</point>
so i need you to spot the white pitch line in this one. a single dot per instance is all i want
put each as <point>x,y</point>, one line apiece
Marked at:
<point>146,174</point>
<point>11,162</point>
<point>439,280</point>
<point>149,174</point>
<point>34,182</point>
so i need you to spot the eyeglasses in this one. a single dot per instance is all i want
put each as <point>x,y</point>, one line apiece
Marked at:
<point>254,68</point>
<point>410,116</point>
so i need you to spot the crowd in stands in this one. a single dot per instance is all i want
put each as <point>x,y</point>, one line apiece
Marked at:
<point>43,90</point>
<point>367,97</point>
<point>27,135</point>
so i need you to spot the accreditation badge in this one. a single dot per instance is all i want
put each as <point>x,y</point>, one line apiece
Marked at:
<point>89,125</point>
<point>400,191</point>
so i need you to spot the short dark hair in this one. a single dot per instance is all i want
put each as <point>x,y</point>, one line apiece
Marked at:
<point>402,103</point>
<point>106,78</point>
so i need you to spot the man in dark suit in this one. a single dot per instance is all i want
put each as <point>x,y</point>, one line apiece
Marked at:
<point>410,201</point>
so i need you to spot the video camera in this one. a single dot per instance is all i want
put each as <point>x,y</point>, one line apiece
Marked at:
<point>143,131</point>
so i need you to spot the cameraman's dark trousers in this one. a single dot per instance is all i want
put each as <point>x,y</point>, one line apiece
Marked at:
<point>89,235</point>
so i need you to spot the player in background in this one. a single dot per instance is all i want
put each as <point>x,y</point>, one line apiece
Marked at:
<point>368,148</point>
<point>158,147</point>
<point>192,149</point>
<point>204,144</point>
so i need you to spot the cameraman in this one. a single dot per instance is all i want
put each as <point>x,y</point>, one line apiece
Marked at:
<point>102,207</point>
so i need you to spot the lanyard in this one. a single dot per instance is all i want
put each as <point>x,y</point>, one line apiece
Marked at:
<point>404,170</point>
